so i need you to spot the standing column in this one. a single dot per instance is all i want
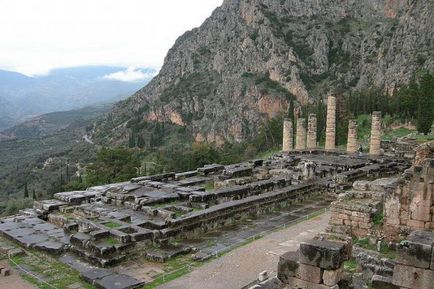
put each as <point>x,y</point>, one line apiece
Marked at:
<point>311,131</point>
<point>352,137</point>
<point>375,133</point>
<point>287,135</point>
<point>300,139</point>
<point>331,124</point>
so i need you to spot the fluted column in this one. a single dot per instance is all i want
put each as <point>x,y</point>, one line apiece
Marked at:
<point>352,137</point>
<point>300,139</point>
<point>375,133</point>
<point>288,132</point>
<point>311,131</point>
<point>331,124</point>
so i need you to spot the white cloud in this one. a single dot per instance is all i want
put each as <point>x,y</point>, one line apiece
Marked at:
<point>131,74</point>
<point>37,36</point>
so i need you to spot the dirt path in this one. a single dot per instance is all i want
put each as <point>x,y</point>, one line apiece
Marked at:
<point>241,266</point>
<point>13,281</point>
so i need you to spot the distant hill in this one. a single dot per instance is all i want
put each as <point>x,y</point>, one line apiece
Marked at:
<point>50,123</point>
<point>23,97</point>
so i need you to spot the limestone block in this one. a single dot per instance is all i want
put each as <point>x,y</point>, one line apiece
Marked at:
<point>382,282</point>
<point>416,251</point>
<point>263,276</point>
<point>309,273</point>
<point>332,277</point>
<point>324,254</point>
<point>294,283</point>
<point>287,266</point>
<point>412,277</point>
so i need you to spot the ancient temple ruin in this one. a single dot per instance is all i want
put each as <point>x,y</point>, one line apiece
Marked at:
<point>158,216</point>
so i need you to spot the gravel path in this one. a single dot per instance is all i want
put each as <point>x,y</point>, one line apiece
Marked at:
<point>241,266</point>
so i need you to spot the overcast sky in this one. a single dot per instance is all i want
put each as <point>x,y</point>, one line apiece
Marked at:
<point>38,35</point>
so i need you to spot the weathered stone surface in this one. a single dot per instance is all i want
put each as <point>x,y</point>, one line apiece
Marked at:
<point>324,254</point>
<point>332,277</point>
<point>381,282</point>
<point>330,143</point>
<point>294,283</point>
<point>118,281</point>
<point>300,138</point>
<point>416,251</point>
<point>309,273</point>
<point>375,144</point>
<point>288,136</point>
<point>412,277</point>
<point>287,266</point>
<point>352,137</point>
<point>94,274</point>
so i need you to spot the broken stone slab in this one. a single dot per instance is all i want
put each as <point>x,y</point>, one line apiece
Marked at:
<point>52,247</point>
<point>324,254</point>
<point>416,251</point>
<point>94,274</point>
<point>382,282</point>
<point>118,281</point>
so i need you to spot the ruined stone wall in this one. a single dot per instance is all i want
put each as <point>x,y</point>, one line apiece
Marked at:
<point>411,206</point>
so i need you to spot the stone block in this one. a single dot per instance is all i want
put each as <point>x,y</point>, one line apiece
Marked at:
<point>309,273</point>
<point>287,266</point>
<point>332,277</point>
<point>263,276</point>
<point>294,283</point>
<point>5,272</point>
<point>325,254</point>
<point>412,277</point>
<point>381,282</point>
<point>417,250</point>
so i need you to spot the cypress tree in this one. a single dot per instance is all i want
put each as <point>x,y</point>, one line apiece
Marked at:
<point>425,105</point>
<point>26,191</point>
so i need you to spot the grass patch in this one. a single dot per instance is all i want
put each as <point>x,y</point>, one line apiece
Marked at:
<point>112,225</point>
<point>111,241</point>
<point>54,272</point>
<point>350,266</point>
<point>209,186</point>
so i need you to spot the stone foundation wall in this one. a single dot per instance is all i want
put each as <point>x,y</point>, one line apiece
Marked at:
<point>411,206</point>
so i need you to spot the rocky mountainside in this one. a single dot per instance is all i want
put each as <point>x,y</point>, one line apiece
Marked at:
<point>247,61</point>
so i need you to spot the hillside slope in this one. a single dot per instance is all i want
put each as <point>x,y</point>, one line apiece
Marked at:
<point>246,62</point>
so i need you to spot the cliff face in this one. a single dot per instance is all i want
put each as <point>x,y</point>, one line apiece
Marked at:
<point>250,57</point>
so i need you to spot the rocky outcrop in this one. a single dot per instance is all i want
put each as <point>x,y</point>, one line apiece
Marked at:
<point>246,62</point>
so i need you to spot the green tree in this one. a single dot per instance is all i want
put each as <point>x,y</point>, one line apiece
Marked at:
<point>425,111</point>
<point>26,191</point>
<point>112,165</point>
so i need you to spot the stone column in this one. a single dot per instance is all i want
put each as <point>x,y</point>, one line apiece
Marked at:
<point>311,131</point>
<point>375,133</point>
<point>331,124</point>
<point>300,139</point>
<point>352,137</point>
<point>287,135</point>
